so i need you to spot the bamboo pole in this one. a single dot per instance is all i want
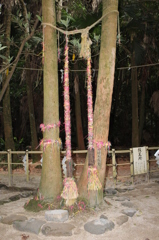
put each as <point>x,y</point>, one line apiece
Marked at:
<point>27,165</point>
<point>9,167</point>
<point>114,166</point>
<point>131,165</point>
<point>148,164</point>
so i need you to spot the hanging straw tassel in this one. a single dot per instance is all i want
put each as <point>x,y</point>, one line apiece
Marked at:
<point>85,45</point>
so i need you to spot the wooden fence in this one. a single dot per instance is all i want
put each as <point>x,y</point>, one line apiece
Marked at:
<point>114,163</point>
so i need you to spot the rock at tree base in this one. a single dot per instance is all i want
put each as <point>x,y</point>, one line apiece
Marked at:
<point>121,199</point>
<point>99,226</point>
<point>32,225</point>
<point>57,229</point>
<point>129,212</point>
<point>12,218</point>
<point>26,194</point>
<point>57,215</point>
<point>15,197</point>
<point>121,190</point>
<point>121,219</point>
<point>103,216</point>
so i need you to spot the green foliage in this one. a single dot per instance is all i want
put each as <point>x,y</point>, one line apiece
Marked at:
<point>76,45</point>
<point>65,22</point>
<point>2,56</point>
<point>18,143</point>
<point>39,17</point>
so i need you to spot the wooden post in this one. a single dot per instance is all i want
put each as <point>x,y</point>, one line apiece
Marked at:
<point>131,165</point>
<point>148,164</point>
<point>9,167</point>
<point>114,166</point>
<point>27,165</point>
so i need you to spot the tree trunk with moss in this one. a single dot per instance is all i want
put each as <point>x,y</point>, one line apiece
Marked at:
<point>51,178</point>
<point>8,133</point>
<point>104,94</point>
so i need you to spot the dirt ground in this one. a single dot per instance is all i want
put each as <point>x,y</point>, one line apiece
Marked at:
<point>144,225</point>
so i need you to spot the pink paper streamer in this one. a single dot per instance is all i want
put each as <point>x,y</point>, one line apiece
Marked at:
<point>89,104</point>
<point>67,104</point>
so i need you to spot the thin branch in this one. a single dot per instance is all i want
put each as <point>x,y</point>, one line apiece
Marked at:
<point>18,56</point>
<point>139,66</point>
<point>126,50</point>
<point>7,67</point>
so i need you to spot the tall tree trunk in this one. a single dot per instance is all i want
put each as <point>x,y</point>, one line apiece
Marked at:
<point>79,128</point>
<point>104,90</point>
<point>51,178</point>
<point>8,133</point>
<point>134,95</point>
<point>142,112</point>
<point>34,140</point>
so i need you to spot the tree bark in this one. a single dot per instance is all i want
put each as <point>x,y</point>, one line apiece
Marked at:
<point>142,112</point>
<point>79,128</point>
<point>8,133</point>
<point>104,92</point>
<point>51,178</point>
<point>34,140</point>
<point>134,95</point>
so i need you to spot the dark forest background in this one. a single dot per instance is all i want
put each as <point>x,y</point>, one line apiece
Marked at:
<point>137,47</point>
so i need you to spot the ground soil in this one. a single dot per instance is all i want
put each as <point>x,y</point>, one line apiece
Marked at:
<point>144,225</point>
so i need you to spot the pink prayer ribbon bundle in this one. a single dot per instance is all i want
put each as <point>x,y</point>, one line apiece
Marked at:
<point>101,144</point>
<point>46,142</point>
<point>49,126</point>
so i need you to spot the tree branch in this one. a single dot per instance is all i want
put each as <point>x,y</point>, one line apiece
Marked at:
<point>18,56</point>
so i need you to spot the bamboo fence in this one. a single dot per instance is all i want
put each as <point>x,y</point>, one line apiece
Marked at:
<point>112,152</point>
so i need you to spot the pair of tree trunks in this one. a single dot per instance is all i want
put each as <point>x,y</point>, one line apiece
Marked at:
<point>51,180</point>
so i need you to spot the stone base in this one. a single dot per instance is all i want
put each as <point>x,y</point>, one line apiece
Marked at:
<point>57,215</point>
